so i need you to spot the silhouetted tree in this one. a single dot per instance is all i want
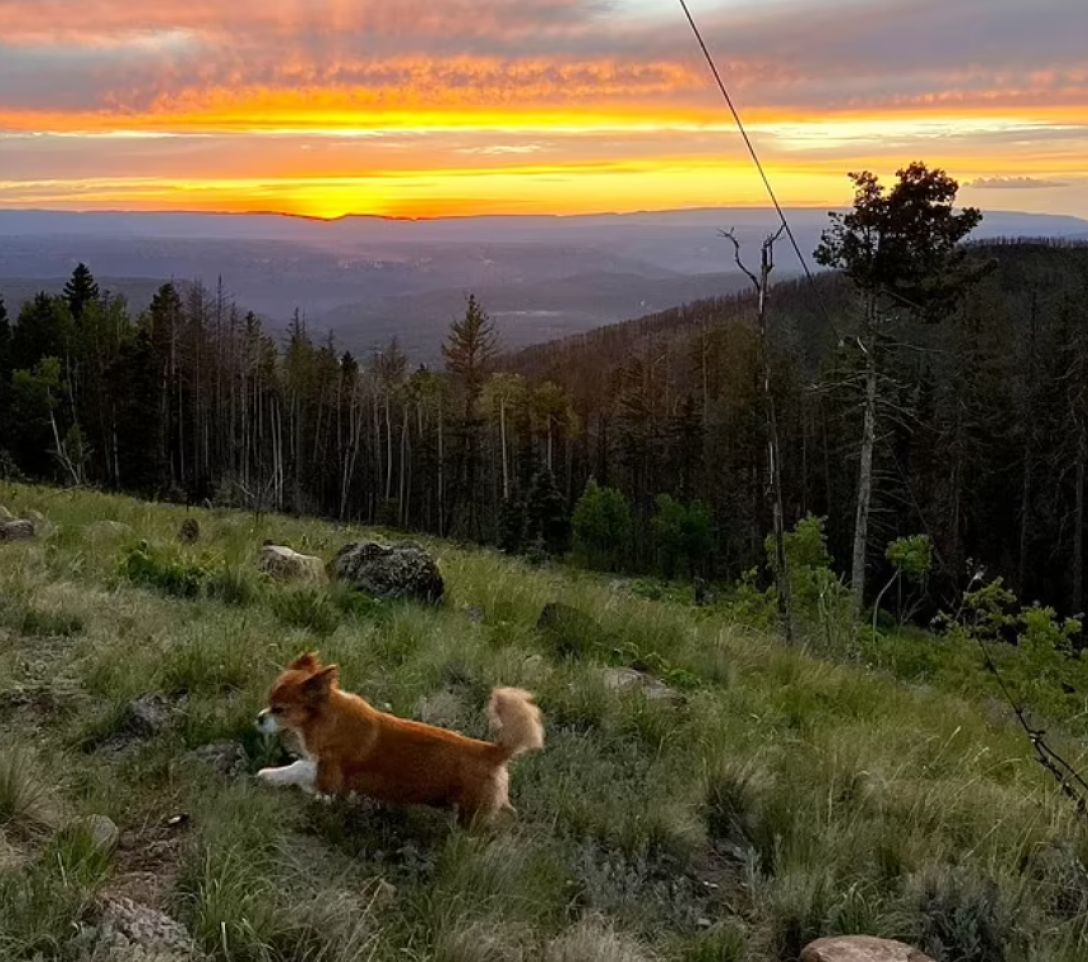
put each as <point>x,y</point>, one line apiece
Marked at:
<point>901,249</point>
<point>80,290</point>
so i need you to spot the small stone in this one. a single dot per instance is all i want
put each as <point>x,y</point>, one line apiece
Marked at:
<point>705,594</point>
<point>147,927</point>
<point>227,759</point>
<point>383,895</point>
<point>189,532</point>
<point>861,948</point>
<point>475,614</point>
<point>149,715</point>
<point>443,708</point>
<point>627,679</point>
<point>703,923</point>
<point>19,530</point>
<point>103,831</point>
<point>42,525</point>
<point>285,563</point>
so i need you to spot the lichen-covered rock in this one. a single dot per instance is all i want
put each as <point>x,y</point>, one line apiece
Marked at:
<point>129,931</point>
<point>42,525</point>
<point>290,565</point>
<point>628,679</point>
<point>100,829</point>
<point>149,714</point>
<point>19,530</point>
<point>390,572</point>
<point>860,948</point>
<point>227,759</point>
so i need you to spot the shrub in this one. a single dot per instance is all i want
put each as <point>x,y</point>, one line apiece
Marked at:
<point>681,534</point>
<point>164,571</point>
<point>601,527</point>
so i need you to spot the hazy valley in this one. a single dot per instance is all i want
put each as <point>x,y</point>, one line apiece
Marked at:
<point>368,278</point>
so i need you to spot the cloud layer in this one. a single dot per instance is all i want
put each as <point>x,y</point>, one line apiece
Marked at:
<point>259,88</point>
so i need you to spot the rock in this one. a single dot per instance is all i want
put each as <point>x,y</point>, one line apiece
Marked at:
<point>475,614</point>
<point>101,530</point>
<point>627,679</point>
<point>442,708</point>
<point>289,565</point>
<point>18,530</point>
<point>102,830</point>
<point>42,525</point>
<point>403,570</point>
<point>189,532</point>
<point>706,595</point>
<point>125,923</point>
<point>227,759</point>
<point>572,632</point>
<point>383,894</point>
<point>149,715</point>
<point>860,948</point>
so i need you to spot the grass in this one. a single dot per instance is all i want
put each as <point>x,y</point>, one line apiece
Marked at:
<point>783,797</point>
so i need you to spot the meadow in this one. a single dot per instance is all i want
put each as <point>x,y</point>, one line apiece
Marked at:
<point>778,795</point>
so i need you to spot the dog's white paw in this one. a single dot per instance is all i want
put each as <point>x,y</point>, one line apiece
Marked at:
<point>300,773</point>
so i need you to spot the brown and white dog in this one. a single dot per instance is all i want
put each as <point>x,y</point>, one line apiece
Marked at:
<point>348,746</point>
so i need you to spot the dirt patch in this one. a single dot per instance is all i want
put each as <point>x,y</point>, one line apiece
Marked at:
<point>148,861</point>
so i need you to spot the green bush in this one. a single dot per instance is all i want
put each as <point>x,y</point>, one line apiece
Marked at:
<point>601,527</point>
<point>166,572</point>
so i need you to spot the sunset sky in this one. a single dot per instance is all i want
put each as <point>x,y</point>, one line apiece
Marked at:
<point>434,107</point>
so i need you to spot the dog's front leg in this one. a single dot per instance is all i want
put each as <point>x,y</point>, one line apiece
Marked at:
<point>328,780</point>
<point>302,773</point>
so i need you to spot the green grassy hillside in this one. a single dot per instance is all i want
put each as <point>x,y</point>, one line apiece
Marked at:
<point>777,798</point>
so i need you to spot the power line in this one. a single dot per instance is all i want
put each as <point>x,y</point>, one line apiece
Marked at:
<point>755,157</point>
<point>1068,778</point>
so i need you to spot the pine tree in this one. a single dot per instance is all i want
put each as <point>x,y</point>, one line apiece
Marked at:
<point>141,461</point>
<point>469,353</point>
<point>80,290</point>
<point>901,250</point>
<point>546,514</point>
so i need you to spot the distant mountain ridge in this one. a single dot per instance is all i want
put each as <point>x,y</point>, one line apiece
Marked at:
<point>368,278</point>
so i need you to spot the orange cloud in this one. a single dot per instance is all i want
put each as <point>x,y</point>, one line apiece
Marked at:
<point>295,104</point>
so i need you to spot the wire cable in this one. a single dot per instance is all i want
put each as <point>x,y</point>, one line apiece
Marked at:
<point>755,157</point>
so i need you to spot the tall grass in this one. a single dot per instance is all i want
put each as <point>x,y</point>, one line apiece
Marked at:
<point>780,798</point>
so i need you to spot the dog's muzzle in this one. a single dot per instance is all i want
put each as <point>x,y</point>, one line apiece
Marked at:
<point>266,722</point>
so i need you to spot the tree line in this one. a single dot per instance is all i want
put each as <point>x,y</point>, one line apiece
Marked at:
<point>926,385</point>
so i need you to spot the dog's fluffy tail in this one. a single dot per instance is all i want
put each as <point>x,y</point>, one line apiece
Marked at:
<point>516,721</point>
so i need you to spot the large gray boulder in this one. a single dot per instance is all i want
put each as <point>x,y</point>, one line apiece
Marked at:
<point>390,572</point>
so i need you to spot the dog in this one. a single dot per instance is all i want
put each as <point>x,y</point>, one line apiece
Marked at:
<point>349,747</point>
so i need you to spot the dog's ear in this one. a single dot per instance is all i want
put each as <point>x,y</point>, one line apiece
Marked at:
<point>318,685</point>
<point>311,661</point>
